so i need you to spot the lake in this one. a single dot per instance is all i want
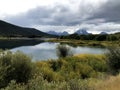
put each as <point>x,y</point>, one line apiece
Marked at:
<point>40,50</point>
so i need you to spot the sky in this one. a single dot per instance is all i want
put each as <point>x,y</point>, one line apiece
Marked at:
<point>95,16</point>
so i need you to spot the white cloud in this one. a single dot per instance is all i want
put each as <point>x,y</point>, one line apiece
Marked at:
<point>62,15</point>
<point>18,6</point>
<point>66,12</point>
<point>107,27</point>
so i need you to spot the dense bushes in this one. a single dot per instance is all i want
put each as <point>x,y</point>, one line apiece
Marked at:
<point>16,67</point>
<point>75,67</point>
<point>71,73</point>
<point>114,60</point>
<point>79,72</point>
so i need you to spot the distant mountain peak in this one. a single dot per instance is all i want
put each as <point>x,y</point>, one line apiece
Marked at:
<point>102,33</point>
<point>82,32</point>
<point>58,33</point>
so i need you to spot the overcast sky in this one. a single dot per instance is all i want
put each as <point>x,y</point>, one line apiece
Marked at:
<point>63,15</point>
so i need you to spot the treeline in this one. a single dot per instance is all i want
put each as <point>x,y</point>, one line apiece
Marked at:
<point>97,37</point>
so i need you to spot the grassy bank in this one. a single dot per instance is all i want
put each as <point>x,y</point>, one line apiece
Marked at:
<point>86,42</point>
<point>112,83</point>
<point>79,72</point>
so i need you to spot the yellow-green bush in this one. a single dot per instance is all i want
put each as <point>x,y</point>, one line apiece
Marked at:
<point>75,67</point>
<point>47,72</point>
<point>97,62</point>
<point>15,66</point>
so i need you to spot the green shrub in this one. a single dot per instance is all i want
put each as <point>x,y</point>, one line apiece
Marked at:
<point>97,62</point>
<point>55,65</point>
<point>63,51</point>
<point>14,66</point>
<point>47,71</point>
<point>14,86</point>
<point>84,70</point>
<point>113,61</point>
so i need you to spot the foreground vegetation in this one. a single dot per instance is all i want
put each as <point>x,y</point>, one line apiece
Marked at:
<point>79,72</point>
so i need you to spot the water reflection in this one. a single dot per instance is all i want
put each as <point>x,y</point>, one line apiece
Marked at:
<point>46,50</point>
<point>41,50</point>
<point>14,43</point>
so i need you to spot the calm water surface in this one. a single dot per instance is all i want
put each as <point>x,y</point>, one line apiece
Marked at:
<point>46,50</point>
<point>40,50</point>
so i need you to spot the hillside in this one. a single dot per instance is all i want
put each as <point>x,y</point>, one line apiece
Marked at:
<point>10,30</point>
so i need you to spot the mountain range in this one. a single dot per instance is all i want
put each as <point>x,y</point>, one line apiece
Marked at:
<point>58,33</point>
<point>79,32</point>
<point>7,29</point>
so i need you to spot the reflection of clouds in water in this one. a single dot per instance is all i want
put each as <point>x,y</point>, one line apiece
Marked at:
<point>87,50</point>
<point>44,54</point>
<point>43,51</point>
<point>46,50</point>
<point>38,54</point>
<point>45,46</point>
<point>23,49</point>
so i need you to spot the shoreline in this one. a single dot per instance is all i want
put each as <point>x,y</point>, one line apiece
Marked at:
<point>87,42</point>
<point>70,41</point>
<point>25,38</point>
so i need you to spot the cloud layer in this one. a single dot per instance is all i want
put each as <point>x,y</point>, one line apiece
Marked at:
<point>95,15</point>
<point>109,11</point>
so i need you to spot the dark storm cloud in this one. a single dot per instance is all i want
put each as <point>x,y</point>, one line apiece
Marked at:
<point>63,15</point>
<point>109,11</point>
<point>57,15</point>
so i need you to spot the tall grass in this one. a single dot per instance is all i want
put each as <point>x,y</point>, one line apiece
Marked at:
<point>111,83</point>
